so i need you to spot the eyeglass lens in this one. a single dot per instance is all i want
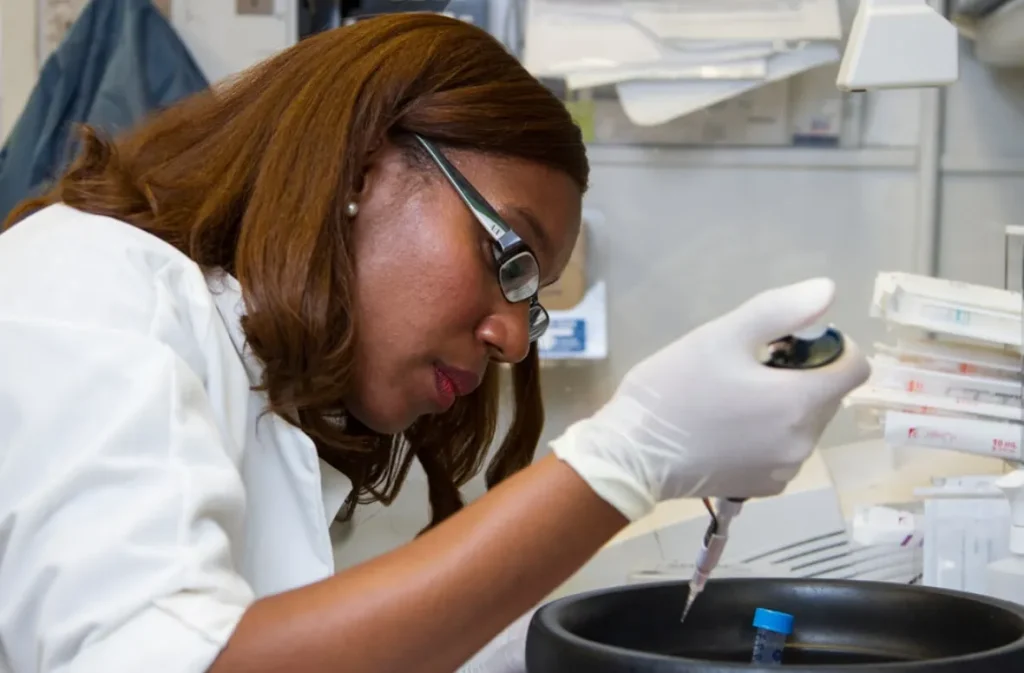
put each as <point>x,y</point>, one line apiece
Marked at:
<point>520,281</point>
<point>519,277</point>
<point>538,321</point>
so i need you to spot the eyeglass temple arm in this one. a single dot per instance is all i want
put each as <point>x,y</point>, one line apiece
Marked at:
<point>491,221</point>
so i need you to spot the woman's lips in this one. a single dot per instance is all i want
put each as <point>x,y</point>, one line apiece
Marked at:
<point>446,390</point>
<point>451,382</point>
<point>465,381</point>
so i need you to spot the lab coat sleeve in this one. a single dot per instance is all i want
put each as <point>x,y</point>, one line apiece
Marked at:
<point>119,505</point>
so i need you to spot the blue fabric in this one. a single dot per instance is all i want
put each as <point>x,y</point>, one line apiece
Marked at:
<point>120,61</point>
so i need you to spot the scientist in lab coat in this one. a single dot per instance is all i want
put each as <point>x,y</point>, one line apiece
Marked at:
<point>248,316</point>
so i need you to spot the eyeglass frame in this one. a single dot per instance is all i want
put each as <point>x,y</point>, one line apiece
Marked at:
<point>508,243</point>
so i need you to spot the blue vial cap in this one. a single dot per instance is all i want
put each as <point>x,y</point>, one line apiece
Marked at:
<point>770,620</point>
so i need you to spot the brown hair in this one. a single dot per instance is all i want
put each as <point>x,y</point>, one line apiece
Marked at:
<point>253,178</point>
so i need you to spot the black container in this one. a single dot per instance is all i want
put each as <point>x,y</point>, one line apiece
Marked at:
<point>839,626</point>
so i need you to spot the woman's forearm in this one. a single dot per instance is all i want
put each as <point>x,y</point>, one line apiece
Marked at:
<point>429,605</point>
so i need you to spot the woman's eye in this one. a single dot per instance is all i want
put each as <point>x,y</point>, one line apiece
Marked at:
<point>491,254</point>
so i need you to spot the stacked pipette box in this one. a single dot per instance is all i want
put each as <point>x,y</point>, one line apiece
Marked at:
<point>952,379</point>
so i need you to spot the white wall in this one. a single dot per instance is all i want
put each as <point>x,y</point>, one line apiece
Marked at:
<point>18,68</point>
<point>983,171</point>
<point>205,27</point>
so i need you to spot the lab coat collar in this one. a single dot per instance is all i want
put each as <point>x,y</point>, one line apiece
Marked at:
<point>227,295</point>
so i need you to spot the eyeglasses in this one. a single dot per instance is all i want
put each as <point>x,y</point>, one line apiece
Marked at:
<point>518,270</point>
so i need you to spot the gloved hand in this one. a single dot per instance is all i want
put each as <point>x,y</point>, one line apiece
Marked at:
<point>704,417</point>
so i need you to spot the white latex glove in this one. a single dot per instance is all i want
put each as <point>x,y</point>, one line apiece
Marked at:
<point>506,653</point>
<point>704,417</point>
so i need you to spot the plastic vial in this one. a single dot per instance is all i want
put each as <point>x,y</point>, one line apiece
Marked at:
<point>772,630</point>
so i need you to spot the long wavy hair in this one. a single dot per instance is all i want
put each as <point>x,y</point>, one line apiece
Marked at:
<point>252,179</point>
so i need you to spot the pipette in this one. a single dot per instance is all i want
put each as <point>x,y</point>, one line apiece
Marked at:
<point>711,548</point>
<point>805,350</point>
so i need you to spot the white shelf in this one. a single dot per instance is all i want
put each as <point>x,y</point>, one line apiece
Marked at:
<point>963,164</point>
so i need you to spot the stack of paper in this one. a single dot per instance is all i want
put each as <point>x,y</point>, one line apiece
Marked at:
<point>956,383</point>
<point>667,58</point>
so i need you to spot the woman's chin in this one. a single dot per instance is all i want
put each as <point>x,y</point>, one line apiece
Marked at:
<point>385,422</point>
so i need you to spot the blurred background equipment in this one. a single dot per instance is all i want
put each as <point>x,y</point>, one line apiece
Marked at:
<point>995,27</point>
<point>319,15</point>
<point>471,11</point>
<point>666,59</point>
<point>897,44</point>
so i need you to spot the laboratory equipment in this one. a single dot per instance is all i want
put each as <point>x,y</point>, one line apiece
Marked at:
<point>897,44</point>
<point>966,528</point>
<point>475,12</point>
<point>978,314</point>
<point>886,527</point>
<point>810,349</point>
<point>978,436</point>
<point>770,640</point>
<point>711,549</point>
<point>957,385</point>
<point>839,625</point>
<point>1004,578</point>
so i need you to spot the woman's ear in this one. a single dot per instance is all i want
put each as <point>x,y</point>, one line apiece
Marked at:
<point>359,183</point>
<point>373,165</point>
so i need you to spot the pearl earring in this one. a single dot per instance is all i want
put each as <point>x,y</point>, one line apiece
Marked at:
<point>352,209</point>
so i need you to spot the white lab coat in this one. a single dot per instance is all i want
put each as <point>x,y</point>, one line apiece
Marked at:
<point>144,500</point>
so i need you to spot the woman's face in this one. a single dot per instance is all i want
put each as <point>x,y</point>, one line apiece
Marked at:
<point>430,313</point>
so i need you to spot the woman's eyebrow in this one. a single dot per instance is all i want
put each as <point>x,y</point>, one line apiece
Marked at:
<point>537,232</point>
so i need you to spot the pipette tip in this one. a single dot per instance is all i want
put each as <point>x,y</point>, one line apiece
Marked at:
<point>689,604</point>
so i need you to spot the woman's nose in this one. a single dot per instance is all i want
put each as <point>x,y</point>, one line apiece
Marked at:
<point>507,332</point>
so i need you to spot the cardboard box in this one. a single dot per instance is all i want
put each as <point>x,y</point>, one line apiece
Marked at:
<point>570,288</point>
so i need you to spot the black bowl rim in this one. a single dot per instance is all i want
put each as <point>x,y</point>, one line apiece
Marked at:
<point>544,616</point>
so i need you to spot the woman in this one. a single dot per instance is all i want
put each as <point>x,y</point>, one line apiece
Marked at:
<point>331,259</point>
